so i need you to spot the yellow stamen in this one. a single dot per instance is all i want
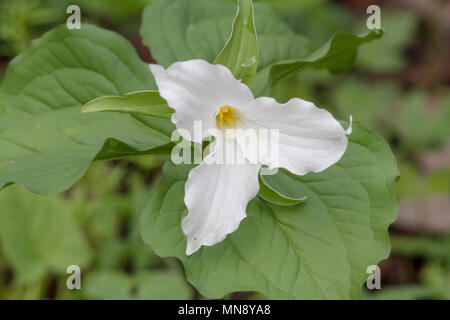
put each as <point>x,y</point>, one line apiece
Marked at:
<point>221,118</point>
<point>226,113</point>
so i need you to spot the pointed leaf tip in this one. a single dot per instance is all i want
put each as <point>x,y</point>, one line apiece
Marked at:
<point>269,194</point>
<point>147,103</point>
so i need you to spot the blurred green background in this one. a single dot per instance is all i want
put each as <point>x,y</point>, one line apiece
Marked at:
<point>398,87</point>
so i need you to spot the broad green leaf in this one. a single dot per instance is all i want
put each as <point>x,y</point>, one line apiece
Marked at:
<point>336,55</point>
<point>240,54</point>
<point>271,195</point>
<point>179,30</point>
<point>148,103</point>
<point>316,250</point>
<point>39,235</point>
<point>150,285</point>
<point>46,143</point>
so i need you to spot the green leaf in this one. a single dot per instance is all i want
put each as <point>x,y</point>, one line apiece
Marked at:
<point>179,30</point>
<point>148,103</point>
<point>39,235</point>
<point>316,250</point>
<point>337,55</point>
<point>240,54</point>
<point>266,192</point>
<point>46,143</point>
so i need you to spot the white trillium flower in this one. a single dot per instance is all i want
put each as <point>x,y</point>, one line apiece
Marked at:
<point>216,195</point>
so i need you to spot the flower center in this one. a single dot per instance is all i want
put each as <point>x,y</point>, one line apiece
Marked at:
<point>226,113</point>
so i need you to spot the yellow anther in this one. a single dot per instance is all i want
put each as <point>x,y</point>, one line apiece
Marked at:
<point>226,113</point>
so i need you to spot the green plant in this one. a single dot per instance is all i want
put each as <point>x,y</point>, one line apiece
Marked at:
<point>316,249</point>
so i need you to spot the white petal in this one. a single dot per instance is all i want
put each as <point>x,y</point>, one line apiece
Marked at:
<point>216,196</point>
<point>310,139</point>
<point>196,90</point>
<point>349,129</point>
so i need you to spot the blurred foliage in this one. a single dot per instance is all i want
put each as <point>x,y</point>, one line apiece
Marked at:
<point>95,225</point>
<point>413,184</point>
<point>435,248</point>
<point>435,284</point>
<point>39,235</point>
<point>23,20</point>
<point>387,55</point>
<point>20,20</point>
<point>393,89</point>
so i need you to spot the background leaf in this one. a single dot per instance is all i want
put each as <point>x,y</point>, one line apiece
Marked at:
<point>319,249</point>
<point>156,285</point>
<point>399,33</point>
<point>240,54</point>
<point>336,55</point>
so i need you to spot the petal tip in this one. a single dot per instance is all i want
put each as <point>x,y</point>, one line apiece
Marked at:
<point>349,129</point>
<point>155,68</point>
<point>191,247</point>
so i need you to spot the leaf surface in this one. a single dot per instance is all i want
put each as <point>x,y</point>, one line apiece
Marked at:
<point>319,249</point>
